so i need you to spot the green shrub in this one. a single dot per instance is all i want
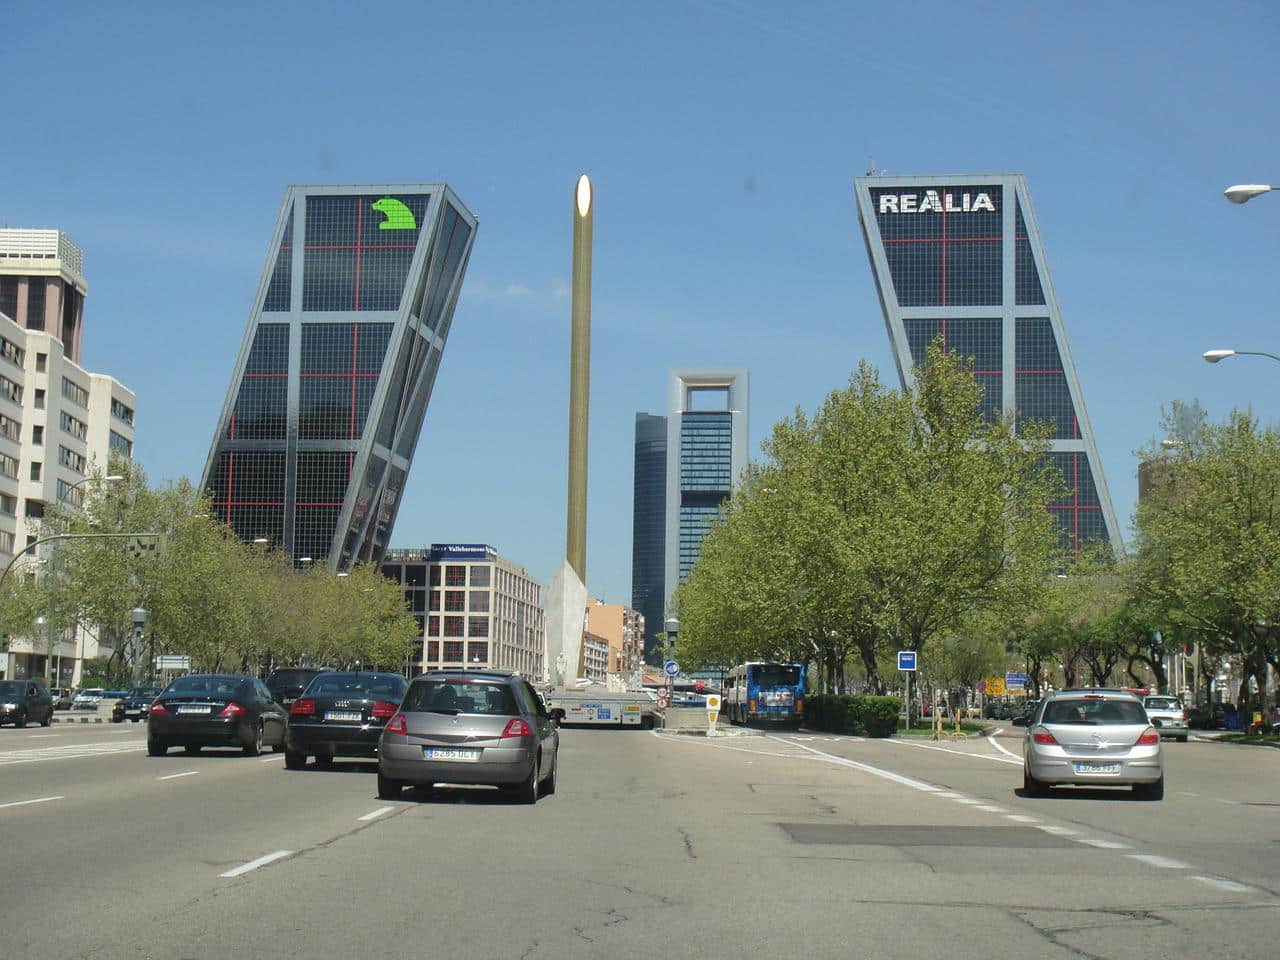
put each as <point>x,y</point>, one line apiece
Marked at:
<point>834,713</point>
<point>880,715</point>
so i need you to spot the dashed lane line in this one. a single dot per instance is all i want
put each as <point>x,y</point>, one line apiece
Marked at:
<point>375,814</point>
<point>255,864</point>
<point>987,808</point>
<point>68,752</point>
<point>1057,831</point>
<point>1103,844</point>
<point>1164,863</point>
<point>175,776</point>
<point>24,803</point>
<point>1222,883</point>
<point>1021,818</point>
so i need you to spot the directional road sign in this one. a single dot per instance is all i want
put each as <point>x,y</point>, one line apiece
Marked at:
<point>906,660</point>
<point>671,668</point>
<point>1015,681</point>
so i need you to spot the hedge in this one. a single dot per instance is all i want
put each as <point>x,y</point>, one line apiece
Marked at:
<point>836,713</point>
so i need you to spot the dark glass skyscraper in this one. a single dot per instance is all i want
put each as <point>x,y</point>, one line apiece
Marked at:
<point>960,259</point>
<point>337,364</point>
<point>648,523</point>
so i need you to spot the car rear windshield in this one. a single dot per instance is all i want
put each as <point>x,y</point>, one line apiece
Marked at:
<point>1164,703</point>
<point>357,684</point>
<point>12,688</point>
<point>461,696</point>
<point>1095,712</point>
<point>292,678</point>
<point>204,686</point>
<point>138,692</point>
<point>775,676</point>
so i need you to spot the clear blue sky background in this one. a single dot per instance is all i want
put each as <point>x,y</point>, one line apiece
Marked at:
<point>722,137</point>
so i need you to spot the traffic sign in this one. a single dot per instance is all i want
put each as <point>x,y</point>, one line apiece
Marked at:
<point>1015,681</point>
<point>906,660</point>
<point>995,686</point>
<point>664,700</point>
<point>671,668</point>
<point>699,686</point>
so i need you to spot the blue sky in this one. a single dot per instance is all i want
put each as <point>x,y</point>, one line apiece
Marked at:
<point>722,138</point>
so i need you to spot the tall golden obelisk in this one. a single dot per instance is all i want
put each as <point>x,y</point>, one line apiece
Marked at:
<point>579,379</point>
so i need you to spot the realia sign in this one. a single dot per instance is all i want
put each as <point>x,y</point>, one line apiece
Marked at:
<point>935,201</point>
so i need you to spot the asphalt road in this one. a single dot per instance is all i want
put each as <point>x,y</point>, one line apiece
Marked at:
<point>654,845</point>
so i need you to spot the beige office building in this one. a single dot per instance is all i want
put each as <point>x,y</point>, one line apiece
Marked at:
<point>620,626</point>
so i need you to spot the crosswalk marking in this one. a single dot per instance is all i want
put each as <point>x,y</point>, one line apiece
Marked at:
<point>69,751</point>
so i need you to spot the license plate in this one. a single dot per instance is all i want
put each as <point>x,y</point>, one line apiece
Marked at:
<point>450,753</point>
<point>1097,769</point>
<point>196,709</point>
<point>342,716</point>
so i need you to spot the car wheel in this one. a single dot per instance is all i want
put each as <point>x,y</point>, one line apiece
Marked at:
<point>117,719</point>
<point>156,748</point>
<point>549,784</point>
<point>1031,786</point>
<point>294,761</point>
<point>1182,739</point>
<point>527,792</point>
<point>388,789</point>
<point>254,747</point>
<point>1150,791</point>
<point>324,760</point>
<point>20,720</point>
<point>191,749</point>
<point>48,719</point>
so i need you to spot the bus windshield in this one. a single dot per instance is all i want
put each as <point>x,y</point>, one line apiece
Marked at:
<point>775,675</point>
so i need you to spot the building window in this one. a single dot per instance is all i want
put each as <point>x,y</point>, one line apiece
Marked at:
<point>479,601</point>
<point>6,541</point>
<point>35,469</point>
<point>9,297</point>
<point>34,508</point>
<point>76,393</point>
<point>39,398</point>
<point>71,460</point>
<point>8,466</point>
<point>477,626</point>
<point>118,410</point>
<point>477,653</point>
<point>433,651</point>
<point>455,600</point>
<point>453,626</point>
<point>455,576</point>
<point>42,360</point>
<point>37,435</point>
<point>435,576</point>
<point>12,352</point>
<point>433,627</point>
<point>71,425</point>
<point>480,576</point>
<point>11,390</point>
<point>452,651</point>
<point>10,428</point>
<point>70,493</point>
<point>8,505</point>
<point>35,303</point>
<point>433,603</point>
<point>120,446</point>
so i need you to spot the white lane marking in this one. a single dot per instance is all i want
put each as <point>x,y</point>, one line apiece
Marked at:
<point>1222,883</point>
<point>255,864</point>
<point>989,809</point>
<point>1020,818</point>
<point>867,768</point>
<point>118,733</point>
<point>274,756</point>
<point>1057,831</point>
<point>1165,863</point>
<point>23,803</point>
<point>949,795</point>
<point>958,753</point>
<point>1103,844</point>
<point>1008,753</point>
<point>969,801</point>
<point>1234,803</point>
<point>698,741</point>
<point>72,751</point>
<point>375,814</point>
<point>175,776</point>
<point>1187,793</point>
<point>43,736</point>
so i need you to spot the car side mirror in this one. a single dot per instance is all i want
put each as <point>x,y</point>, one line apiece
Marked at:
<point>1022,721</point>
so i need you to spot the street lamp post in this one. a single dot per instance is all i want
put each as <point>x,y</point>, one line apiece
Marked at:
<point>1244,192</point>
<point>1217,356</point>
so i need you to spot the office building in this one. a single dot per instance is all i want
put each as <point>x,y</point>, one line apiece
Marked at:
<point>336,367</point>
<point>623,630</point>
<point>959,258</point>
<point>59,424</point>
<point>474,608</point>
<point>703,456</point>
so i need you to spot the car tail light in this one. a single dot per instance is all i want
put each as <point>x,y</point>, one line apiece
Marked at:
<point>397,724</point>
<point>751,706</point>
<point>1149,739</point>
<point>382,709</point>
<point>1044,738</point>
<point>517,728</point>
<point>157,706</point>
<point>302,708</point>
<point>800,705</point>
<point>234,709</point>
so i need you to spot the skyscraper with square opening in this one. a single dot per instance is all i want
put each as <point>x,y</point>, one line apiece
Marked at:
<point>333,377</point>
<point>959,258</point>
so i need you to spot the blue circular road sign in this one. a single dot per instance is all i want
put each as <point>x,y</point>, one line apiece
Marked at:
<point>671,668</point>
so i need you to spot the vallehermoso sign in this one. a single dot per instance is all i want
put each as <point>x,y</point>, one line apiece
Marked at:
<point>933,201</point>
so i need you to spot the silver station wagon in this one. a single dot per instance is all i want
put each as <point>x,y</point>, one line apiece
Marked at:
<point>470,727</point>
<point>1092,738</point>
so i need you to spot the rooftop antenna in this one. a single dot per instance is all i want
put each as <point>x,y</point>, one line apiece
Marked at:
<point>872,171</point>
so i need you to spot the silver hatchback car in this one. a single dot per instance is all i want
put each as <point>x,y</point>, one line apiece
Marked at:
<point>470,727</point>
<point>1092,738</point>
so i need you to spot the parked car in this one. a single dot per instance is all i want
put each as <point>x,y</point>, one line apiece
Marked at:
<point>1167,715</point>
<point>215,710</point>
<point>22,701</point>
<point>87,699</point>
<point>134,705</point>
<point>470,727</point>
<point>341,715</point>
<point>1094,738</point>
<point>287,683</point>
<point>61,697</point>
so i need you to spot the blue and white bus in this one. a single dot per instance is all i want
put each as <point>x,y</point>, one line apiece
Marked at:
<point>760,692</point>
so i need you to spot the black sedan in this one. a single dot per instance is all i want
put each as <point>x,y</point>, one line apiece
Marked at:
<point>215,710</point>
<point>341,715</point>
<point>134,705</point>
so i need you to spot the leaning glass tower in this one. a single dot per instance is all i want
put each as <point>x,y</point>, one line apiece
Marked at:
<point>331,384</point>
<point>960,258</point>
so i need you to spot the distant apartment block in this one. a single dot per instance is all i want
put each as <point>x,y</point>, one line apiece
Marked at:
<point>623,629</point>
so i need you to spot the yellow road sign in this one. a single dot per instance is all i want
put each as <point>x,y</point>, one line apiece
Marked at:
<point>995,686</point>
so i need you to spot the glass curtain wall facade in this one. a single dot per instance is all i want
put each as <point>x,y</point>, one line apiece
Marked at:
<point>648,523</point>
<point>959,259</point>
<point>335,371</point>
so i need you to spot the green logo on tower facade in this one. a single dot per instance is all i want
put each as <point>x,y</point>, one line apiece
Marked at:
<point>399,217</point>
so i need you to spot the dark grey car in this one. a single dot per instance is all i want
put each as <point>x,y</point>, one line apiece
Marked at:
<point>25,700</point>
<point>470,727</point>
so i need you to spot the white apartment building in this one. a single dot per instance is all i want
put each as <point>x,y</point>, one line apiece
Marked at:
<point>58,422</point>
